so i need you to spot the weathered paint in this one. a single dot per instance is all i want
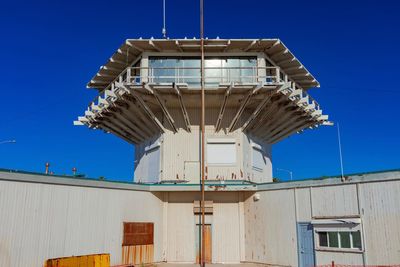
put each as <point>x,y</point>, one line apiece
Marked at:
<point>138,254</point>
<point>380,213</point>
<point>63,217</point>
<point>57,220</point>
<point>179,151</point>
<point>98,260</point>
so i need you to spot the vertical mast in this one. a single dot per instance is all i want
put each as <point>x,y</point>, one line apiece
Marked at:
<point>340,152</point>
<point>202,202</point>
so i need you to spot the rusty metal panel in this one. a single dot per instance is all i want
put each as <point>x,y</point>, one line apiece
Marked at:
<point>138,234</point>
<point>96,260</point>
<point>137,254</point>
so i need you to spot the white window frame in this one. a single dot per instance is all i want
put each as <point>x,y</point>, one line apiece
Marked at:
<point>338,225</point>
<point>258,148</point>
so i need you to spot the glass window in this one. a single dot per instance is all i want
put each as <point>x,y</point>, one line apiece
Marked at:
<point>333,239</point>
<point>217,70</point>
<point>356,236</point>
<point>344,239</point>
<point>248,70</point>
<point>213,72</point>
<point>191,72</point>
<point>323,239</point>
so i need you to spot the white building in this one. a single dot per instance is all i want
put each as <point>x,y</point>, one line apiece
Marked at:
<point>256,94</point>
<point>280,224</point>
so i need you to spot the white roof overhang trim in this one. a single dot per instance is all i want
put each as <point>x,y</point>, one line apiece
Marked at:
<point>131,50</point>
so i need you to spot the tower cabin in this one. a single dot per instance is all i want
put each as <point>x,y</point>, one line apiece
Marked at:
<point>256,94</point>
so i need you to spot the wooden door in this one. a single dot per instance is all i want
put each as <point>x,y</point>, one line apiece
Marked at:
<point>207,242</point>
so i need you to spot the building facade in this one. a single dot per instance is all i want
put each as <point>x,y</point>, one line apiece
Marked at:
<point>256,94</point>
<point>302,223</point>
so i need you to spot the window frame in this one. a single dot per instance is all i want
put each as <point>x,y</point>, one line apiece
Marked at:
<point>339,240</point>
<point>338,225</point>
<point>226,141</point>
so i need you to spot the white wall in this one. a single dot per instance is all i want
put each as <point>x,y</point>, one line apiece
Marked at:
<point>225,227</point>
<point>271,221</point>
<point>182,147</point>
<point>380,209</point>
<point>42,221</point>
<point>270,228</point>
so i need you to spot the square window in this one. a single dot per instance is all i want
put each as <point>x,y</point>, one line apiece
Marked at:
<point>356,239</point>
<point>344,239</point>
<point>333,239</point>
<point>323,239</point>
<point>221,153</point>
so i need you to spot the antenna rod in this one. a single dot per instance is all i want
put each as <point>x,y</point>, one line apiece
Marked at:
<point>340,151</point>
<point>202,202</point>
<point>164,29</point>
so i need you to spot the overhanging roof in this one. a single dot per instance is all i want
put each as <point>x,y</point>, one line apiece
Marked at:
<point>133,48</point>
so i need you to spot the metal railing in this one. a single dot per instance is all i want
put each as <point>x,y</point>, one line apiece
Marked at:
<point>192,75</point>
<point>213,77</point>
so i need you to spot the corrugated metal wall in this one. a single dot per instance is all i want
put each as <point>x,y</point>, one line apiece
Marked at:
<point>270,222</point>
<point>41,221</point>
<point>225,227</point>
<point>270,227</point>
<point>380,211</point>
<point>179,150</point>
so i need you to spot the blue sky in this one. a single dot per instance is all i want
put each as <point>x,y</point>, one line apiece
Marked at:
<point>50,49</point>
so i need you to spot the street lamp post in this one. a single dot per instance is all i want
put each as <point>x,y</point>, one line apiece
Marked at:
<point>290,172</point>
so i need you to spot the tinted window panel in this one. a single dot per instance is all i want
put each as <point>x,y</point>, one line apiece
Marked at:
<point>345,239</point>
<point>323,239</point>
<point>333,239</point>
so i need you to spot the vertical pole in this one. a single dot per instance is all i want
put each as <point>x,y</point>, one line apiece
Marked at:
<point>164,29</point>
<point>340,152</point>
<point>202,202</point>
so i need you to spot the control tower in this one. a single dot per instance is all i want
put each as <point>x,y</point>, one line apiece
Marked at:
<point>256,94</point>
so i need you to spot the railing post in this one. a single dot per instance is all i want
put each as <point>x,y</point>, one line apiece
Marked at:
<point>278,76</point>
<point>128,75</point>
<point>333,263</point>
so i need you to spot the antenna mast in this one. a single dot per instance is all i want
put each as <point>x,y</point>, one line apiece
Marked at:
<point>340,152</point>
<point>164,29</point>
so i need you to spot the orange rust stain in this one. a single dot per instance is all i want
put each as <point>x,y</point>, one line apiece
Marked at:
<point>138,254</point>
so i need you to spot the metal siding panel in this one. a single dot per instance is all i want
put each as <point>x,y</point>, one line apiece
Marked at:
<point>334,201</point>
<point>270,227</point>
<point>181,232</point>
<point>226,243</point>
<point>326,258</point>
<point>303,205</point>
<point>380,211</point>
<point>69,220</point>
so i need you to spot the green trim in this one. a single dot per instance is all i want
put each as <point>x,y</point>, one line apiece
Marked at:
<point>208,183</point>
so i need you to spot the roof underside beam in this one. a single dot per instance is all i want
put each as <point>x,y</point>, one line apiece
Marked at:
<point>146,108</point>
<point>242,107</point>
<point>183,108</point>
<point>163,107</point>
<point>262,104</point>
<point>222,109</point>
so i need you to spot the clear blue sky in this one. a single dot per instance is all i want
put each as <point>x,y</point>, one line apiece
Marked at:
<point>50,49</point>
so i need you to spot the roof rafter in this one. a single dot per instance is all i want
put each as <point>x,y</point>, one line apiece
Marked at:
<point>183,108</point>
<point>164,109</point>
<point>223,106</point>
